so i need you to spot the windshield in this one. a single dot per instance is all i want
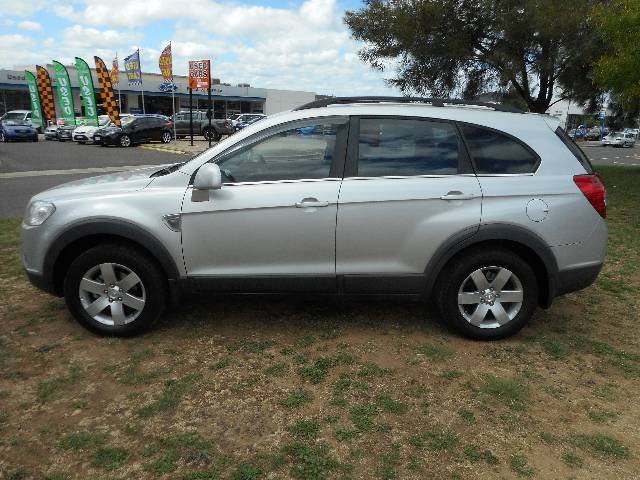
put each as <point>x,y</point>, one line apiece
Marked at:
<point>15,116</point>
<point>233,116</point>
<point>14,122</point>
<point>126,120</point>
<point>103,120</point>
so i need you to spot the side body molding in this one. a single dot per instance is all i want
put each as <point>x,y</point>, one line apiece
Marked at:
<point>496,233</point>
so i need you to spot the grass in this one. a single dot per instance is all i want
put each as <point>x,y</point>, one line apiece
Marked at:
<point>258,388</point>
<point>508,391</point>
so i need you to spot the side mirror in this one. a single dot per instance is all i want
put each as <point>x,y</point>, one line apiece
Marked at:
<point>208,177</point>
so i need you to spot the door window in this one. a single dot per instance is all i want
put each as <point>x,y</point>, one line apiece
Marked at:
<point>406,147</point>
<point>303,152</point>
<point>496,153</point>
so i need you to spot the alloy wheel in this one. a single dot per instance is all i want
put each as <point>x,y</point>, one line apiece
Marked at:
<point>166,137</point>
<point>490,297</point>
<point>125,141</point>
<point>112,294</point>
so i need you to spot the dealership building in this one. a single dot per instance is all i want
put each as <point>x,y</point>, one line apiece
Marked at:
<point>227,99</point>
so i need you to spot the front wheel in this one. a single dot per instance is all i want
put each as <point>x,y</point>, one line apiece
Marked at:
<point>115,289</point>
<point>125,141</point>
<point>2,139</point>
<point>487,294</point>
<point>166,137</point>
<point>211,134</point>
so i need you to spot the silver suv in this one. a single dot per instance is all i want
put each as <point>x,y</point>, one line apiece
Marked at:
<point>487,212</point>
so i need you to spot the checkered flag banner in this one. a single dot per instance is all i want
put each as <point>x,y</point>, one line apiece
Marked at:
<point>46,93</point>
<point>109,101</point>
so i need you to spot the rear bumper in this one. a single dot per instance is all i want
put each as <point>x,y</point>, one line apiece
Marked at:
<point>576,279</point>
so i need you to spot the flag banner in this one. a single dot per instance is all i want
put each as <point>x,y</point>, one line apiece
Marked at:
<point>87,92</point>
<point>165,63</point>
<point>109,101</point>
<point>132,68</point>
<point>36,108</point>
<point>65,98</point>
<point>115,72</point>
<point>199,74</point>
<point>46,93</point>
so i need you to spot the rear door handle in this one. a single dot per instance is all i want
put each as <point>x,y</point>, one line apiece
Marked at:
<point>456,195</point>
<point>311,203</point>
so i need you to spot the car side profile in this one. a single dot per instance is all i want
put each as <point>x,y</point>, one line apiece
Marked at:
<point>135,129</point>
<point>487,212</point>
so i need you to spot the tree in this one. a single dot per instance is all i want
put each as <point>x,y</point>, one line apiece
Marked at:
<point>619,69</point>
<point>534,48</point>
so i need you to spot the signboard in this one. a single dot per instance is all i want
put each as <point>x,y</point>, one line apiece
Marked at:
<point>65,98</point>
<point>602,115</point>
<point>36,109</point>
<point>199,74</point>
<point>85,81</point>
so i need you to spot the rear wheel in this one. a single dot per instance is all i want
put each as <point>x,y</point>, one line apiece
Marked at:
<point>211,134</point>
<point>2,139</point>
<point>166,137</point>
<point>488,294</point>
<point>115,289</point>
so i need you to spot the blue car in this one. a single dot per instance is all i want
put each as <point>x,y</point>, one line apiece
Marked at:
<point>14,130</point>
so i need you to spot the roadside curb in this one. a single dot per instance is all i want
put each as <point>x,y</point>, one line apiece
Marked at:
<point>163,149</point>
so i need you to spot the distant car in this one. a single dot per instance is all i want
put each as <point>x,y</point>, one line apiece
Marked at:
<point>135,129</point>
<point>219,127</point>
<point>12,130</point>
<point>246,118</point>
<point>84,133</point>
<point>65,132</point>
<point>619,139</point>
<point>51,132</point>
<point>249,119</point>
<point>593,134</point>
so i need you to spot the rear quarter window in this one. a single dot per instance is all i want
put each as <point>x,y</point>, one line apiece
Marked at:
<point>494,152</point>
<point>574,149</point>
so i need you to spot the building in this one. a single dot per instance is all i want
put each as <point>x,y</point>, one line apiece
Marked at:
<point>227,99</point>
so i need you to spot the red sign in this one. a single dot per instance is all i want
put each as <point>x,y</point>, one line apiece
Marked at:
<point>199,74</point>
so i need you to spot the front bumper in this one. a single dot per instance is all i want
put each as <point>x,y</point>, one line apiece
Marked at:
<point>81,137</point>
<point>110,140</point>
<point>13,136</point>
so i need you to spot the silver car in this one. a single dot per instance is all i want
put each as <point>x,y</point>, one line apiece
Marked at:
<point>487,212</point>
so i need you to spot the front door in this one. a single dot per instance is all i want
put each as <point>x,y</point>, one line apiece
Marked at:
<point>408,187</point>
<point>271,227</point>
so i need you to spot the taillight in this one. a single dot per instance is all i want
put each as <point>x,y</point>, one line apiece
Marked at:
<point>593,189</point>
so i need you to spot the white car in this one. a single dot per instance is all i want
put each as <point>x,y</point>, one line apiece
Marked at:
<point>619,139</point>
<point>84,133</point>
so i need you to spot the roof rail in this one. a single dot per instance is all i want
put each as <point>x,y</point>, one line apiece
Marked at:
<point>436,102</point>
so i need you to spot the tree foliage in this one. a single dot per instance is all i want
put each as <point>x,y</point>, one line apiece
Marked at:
<point>619,69</point>
<point>533,48</point>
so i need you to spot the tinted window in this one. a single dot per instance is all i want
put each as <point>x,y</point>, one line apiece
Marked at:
<point>494,152</point>
<point>304,152</point>
<point>400,147</point>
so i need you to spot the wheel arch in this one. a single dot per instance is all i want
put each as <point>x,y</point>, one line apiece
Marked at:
<point>519,240</point>
<point>80,237</point>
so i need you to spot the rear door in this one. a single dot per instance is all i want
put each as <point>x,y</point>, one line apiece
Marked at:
<point>408,188</point>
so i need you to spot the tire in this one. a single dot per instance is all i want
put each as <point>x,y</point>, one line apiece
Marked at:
<point>211,134</point>
<point>125,141</point>
<point>144,294</point>
<point>2,139</point>
<point>166,137</point>
<point>495,266</point>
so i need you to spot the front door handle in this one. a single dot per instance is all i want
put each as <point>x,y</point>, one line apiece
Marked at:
<point>311,203</point>
<point>457,195</point>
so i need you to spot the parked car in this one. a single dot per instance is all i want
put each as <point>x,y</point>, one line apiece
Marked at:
<point>487,212</point>
<point>246,121</point>
<point>219,127</point>
<point>65,132</point>
<point>51,132</point>
<point>135,129</point>
<point>619,139</point>
<point>12,130</point>
<point>593,134</point>
<point>84,133</point>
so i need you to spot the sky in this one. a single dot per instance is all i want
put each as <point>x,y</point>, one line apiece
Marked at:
<point>294,45</point>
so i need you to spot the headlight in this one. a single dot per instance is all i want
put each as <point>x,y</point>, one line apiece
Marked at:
<point>38,212</point>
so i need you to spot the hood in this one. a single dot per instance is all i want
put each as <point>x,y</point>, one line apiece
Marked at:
<point>111,183</point>
<point>17,127</point>
<point>86,129</point>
